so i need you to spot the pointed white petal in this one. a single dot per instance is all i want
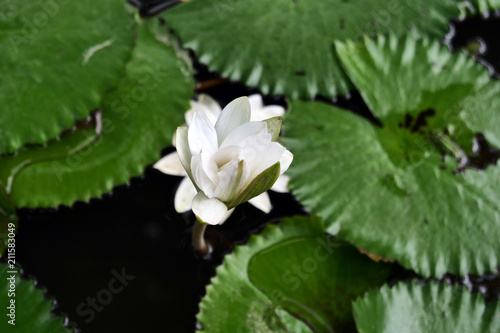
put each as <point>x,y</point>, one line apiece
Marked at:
<point>209,166</point>
<point>285,161</point>
<point>261,160</point>
<point>236,137</point>
<point>205,104</point>
<point>202,135</point>
<point>200,176</point>
<point>181,139</point>
<point>184,196</point>
<point>234,114</point>
<point>231,178</point>
<point>188,116</point>
<point>262,202</point>
<point>171,165</point>
<point>174,139</point>
<point>267,112</point>
<point>256,102</point>
<point>229,212</point>
<point>212,108</point>
<point>209,210</point>
<point>281,184</point>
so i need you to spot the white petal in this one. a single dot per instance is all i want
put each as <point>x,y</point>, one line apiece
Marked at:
<point>184,196</point>
<point>205,104</point>
<point>262,202</point>
<point>200,176</point>
<point>174,139</point>
<point>229,212</point>
<point>281,184</point>
<point>285,161</point>
<point>231,178</point>
<point>209,166</point>
<point>263,159</point>
<point>202,135</point>
<point>171,165</point>
<point>209,210</point>
<point>267,112</point>
<point>181,139</point>
<point>212,108</point>
<point>188,116</point>
<point>256,102</point>
<point>234,114</point>
<point>242,132</point>
<point>226,155</point>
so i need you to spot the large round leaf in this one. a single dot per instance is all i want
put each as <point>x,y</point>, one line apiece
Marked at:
<point>64,148</point>
<point>30,309</point>
<point>486,5</point>
<point>388,189</point>
<point>434,307</point>
<point>58,58</point>
<point>285,46</point>
<point>289,275</point>
<point>139,118</point>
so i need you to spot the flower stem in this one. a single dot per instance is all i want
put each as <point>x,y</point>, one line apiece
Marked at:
<point>199,244</point>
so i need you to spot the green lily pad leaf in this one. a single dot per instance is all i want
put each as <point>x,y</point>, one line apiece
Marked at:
<point>434,307</point>
<point>484,6</point>
<point>138,120</point>
<point>58,58</point>
<point>447,91</point>
<point>395,190</point>
<point>286,47</point>
<point>65,147</point>
<point>32,310</point>
<point>291,278</point>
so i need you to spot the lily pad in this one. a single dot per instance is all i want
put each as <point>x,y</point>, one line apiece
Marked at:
<point>483,6</point>
<point>56,150</point>
<point>138,120</point>
<point>434,307</point>
<point>286,47</point>
<point>58,58</point>
<point>32,310</point>
<point>399,190</point>
<point>291,278</point>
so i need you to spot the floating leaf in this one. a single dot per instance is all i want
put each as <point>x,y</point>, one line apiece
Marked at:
<point>388,189</point>
<point>64,148</point>
<point>138,120</point>
<point>286,47</point>
<point>58,58</point>
<point>32,310</point>
<point>484,6</point>
<point>289,275</point>
<point>434,307</point>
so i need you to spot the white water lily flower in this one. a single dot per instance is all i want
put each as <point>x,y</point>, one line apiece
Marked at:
<point>222,164</point>
<point>171,164</point>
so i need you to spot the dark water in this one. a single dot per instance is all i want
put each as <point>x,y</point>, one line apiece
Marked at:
<point>74,253</point>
